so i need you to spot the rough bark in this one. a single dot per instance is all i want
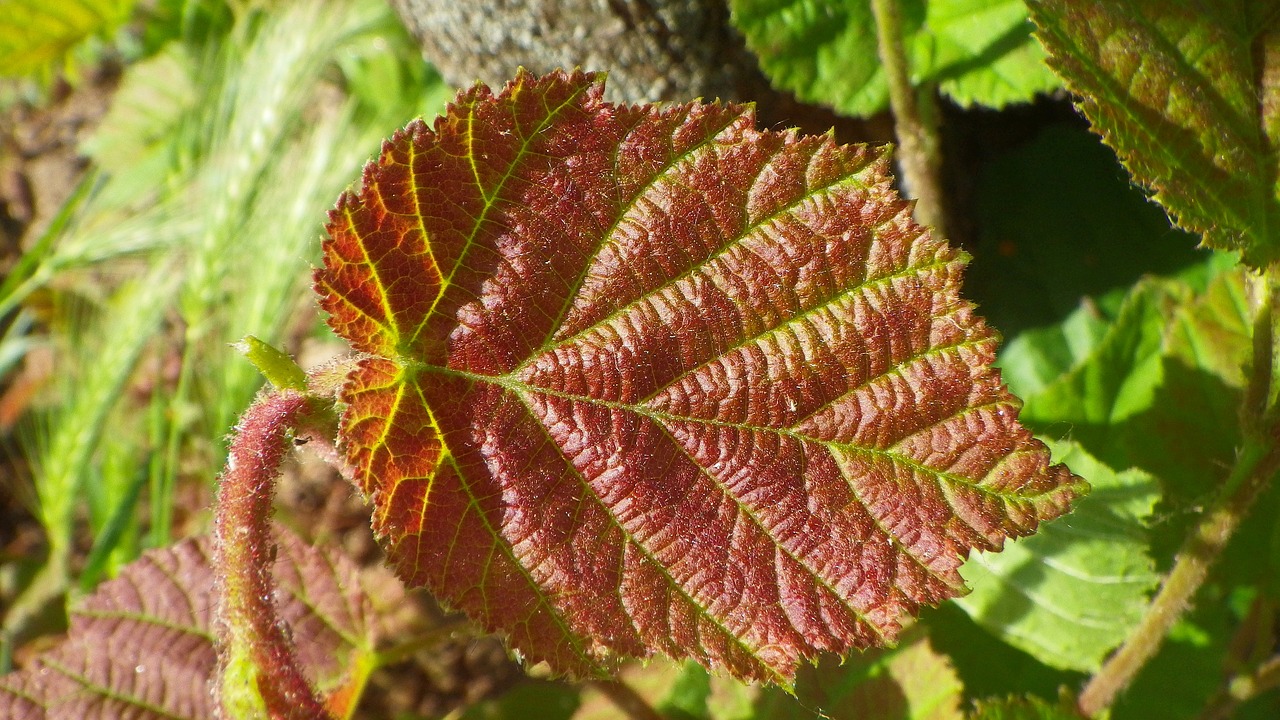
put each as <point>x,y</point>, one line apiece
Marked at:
<point>652,49</point>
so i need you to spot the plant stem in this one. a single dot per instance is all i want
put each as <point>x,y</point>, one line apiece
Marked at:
<point>627,699</point>
<point>259,668</point>
<point>1255,463</point>
<point>1243,688</point>
<point>915,117</point>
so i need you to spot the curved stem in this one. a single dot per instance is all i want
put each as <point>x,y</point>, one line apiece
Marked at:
<point>1255,463</point>
<point>259,668</point>
<point>915,119</point>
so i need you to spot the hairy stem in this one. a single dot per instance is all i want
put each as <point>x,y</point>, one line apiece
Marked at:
<point>915,117</point>
<point>259,668</point>
<point>1255,463</point>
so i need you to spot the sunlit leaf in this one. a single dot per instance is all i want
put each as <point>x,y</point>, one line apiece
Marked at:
<point>979,51</point>
<point>1188,95</point>
<point>1074,591</point>
<point>141,646</point>
<point>645,379</point>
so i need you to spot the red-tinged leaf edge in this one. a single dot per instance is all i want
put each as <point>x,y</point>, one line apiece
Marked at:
<point>546,471</point>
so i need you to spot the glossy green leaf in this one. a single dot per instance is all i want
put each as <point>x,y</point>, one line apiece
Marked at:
<point>1074,591</point>
<point>1187,93</point>
<point>979,51</point>
<point>644,379</point>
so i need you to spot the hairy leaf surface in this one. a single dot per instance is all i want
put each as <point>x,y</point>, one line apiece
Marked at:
<point>141,646</point>
<point>646,379</point>
<point>1188,95</point>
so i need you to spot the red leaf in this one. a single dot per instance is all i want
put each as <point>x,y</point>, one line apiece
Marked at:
<point>141,646</point>
<point>646,379</point>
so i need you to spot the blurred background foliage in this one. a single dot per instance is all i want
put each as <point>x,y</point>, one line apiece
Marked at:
<point>231,128</point>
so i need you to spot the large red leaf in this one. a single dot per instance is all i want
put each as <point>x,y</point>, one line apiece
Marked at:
<point>646,379</point>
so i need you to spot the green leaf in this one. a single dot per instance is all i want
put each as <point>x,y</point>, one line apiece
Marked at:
<point>1119,378</point>
<point>645,379</point>
<point>1074,591</point>
<point>1207,344</point>
<point>980,51</point>
<point>1036,358</point>
<point>36,35</point>
<point>910,682</point>
<point>1028,707</point>
<point>141,646</point>
<point>1186,93</point>
<point>1169,367</point>
<point>1059,221</point>
<point>530,699</point>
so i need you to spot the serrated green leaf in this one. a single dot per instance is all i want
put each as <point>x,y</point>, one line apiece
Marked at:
<point>36,35</point>
<point>980,51</point>
<point>1072,593</point>
<point>645,379</point>
<point>1186,92</point>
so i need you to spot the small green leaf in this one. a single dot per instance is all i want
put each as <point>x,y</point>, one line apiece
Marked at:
<point>980,51</point>
<point>1036,358</point>
<point>1188,95</point>
<point>275,365</point>
<point>1073,592</point>
<point>1118,380</point>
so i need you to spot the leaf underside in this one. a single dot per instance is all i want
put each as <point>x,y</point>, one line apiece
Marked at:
<point>645,379</point>
<point>141,646</point>
<point>1188,95</point>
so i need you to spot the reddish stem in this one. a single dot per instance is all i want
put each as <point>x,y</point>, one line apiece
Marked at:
<point>250,630</point>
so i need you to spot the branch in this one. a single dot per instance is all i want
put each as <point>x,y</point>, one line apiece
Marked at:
<point>915,120</point>
<point>1255,463</point>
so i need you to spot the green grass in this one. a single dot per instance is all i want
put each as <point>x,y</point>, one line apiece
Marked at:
<point>213,172</point>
